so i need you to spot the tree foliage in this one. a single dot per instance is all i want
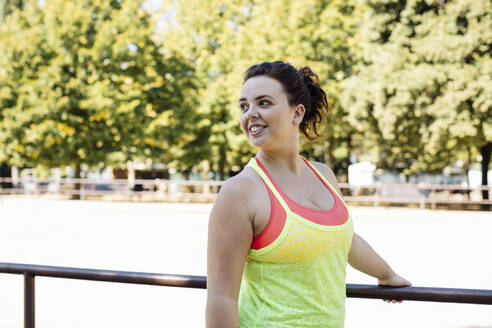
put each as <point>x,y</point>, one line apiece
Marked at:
<point>408,82</point>
<point>203,32</point>
<point>85,82</point>
<point>6,7</point>
<point>223,39</point>
<point>422,92</point>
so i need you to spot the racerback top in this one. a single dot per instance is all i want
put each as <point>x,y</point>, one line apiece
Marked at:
<point>294,275</point>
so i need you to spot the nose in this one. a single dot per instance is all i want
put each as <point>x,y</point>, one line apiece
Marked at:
<point>252,111</point>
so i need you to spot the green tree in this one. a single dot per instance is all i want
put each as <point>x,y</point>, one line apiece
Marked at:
<point>423,89</point>
<point>6,7</point>
<point>202,31</point>
<point>85,83</point>
<point>223,39</point>
<point>317,33</point>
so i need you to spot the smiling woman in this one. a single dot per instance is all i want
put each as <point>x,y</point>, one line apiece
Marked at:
<point>297,87</point>
<point>280,234</point>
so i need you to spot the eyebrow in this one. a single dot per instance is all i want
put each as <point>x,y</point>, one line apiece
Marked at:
<point>259,97</point>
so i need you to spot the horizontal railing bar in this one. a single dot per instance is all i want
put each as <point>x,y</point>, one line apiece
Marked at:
<point>211,196</point>
<point>144,278</point>
<point>122,182</point>
<point>421,186</point>
<point>429,294</point>
<point>354,199</point>
<point>88,192</point>
<point>361,199</point>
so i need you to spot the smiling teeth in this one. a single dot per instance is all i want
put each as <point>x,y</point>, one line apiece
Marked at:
<point>255,128</point>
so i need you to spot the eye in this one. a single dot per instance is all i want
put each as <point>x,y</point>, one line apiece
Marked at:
<point>266,102</point>
<point>243,107</point>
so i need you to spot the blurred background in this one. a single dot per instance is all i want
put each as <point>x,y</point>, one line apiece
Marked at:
<point>148,89</point>
<point>137,101</point>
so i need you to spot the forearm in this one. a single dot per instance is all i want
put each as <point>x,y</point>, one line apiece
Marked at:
<point>221,312</point>
<point>363,258</point>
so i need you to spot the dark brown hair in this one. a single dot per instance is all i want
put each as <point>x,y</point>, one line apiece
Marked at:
<point>301,86</point>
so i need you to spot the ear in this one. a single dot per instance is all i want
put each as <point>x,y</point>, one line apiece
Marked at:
<point>299,112</point>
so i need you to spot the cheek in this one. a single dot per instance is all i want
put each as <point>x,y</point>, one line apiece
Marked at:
<point>243,123</point>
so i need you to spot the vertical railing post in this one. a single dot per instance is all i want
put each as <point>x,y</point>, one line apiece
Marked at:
<point>82,190</point>
<point>377,194</point>
<point>29,313</point>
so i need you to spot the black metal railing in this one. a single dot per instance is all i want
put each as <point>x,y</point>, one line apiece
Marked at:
<point>29,271</point>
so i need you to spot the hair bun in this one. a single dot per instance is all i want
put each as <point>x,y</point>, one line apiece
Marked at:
<point>318,98</point>
<point>309,76</point>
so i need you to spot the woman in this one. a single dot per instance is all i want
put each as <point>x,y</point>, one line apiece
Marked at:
<point>280,234</point>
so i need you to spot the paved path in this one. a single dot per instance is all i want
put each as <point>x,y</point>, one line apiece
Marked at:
<point>430,248</point>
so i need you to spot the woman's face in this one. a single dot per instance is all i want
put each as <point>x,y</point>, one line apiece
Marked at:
<point>266,116</point>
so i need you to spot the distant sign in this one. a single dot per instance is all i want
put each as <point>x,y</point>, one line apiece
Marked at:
<point>361,173</point>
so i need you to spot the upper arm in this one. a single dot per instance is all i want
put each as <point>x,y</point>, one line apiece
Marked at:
<point>230,234</point>
<point>354,249</point>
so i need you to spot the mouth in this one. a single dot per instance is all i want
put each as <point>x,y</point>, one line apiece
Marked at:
<point>256,129</point>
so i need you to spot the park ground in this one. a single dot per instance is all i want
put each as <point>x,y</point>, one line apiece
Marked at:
<point>429,248</point>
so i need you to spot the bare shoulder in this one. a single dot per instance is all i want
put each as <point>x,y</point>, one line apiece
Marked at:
<point>326,171</point>
<point>235,195</point>
<point>230,232</point>
<point>239,186</point>
<point>328,174</point>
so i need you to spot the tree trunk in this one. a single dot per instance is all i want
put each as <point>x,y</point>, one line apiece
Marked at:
<point>347,159</point>
<point>206,176</point>
<point>78,170</point>
<point>222,161</point>
<point>5,172</point>
<point>466,168</point>
<point>329,152</point>
<point>485,152</point>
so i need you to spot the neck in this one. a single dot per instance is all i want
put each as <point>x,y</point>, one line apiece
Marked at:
<point>283,158</point>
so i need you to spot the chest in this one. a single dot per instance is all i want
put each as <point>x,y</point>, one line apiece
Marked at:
<point>303,242</point>
<point>308,192</point>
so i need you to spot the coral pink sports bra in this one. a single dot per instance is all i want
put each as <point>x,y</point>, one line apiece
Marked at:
<point>335,216</point>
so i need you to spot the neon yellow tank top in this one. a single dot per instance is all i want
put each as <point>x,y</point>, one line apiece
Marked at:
<point>297,277</point>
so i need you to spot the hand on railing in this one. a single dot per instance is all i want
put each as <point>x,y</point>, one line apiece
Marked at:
<point>394,281</point>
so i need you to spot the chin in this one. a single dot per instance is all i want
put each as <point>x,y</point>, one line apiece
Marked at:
<point>257,142</point>
<point>251,140</point>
